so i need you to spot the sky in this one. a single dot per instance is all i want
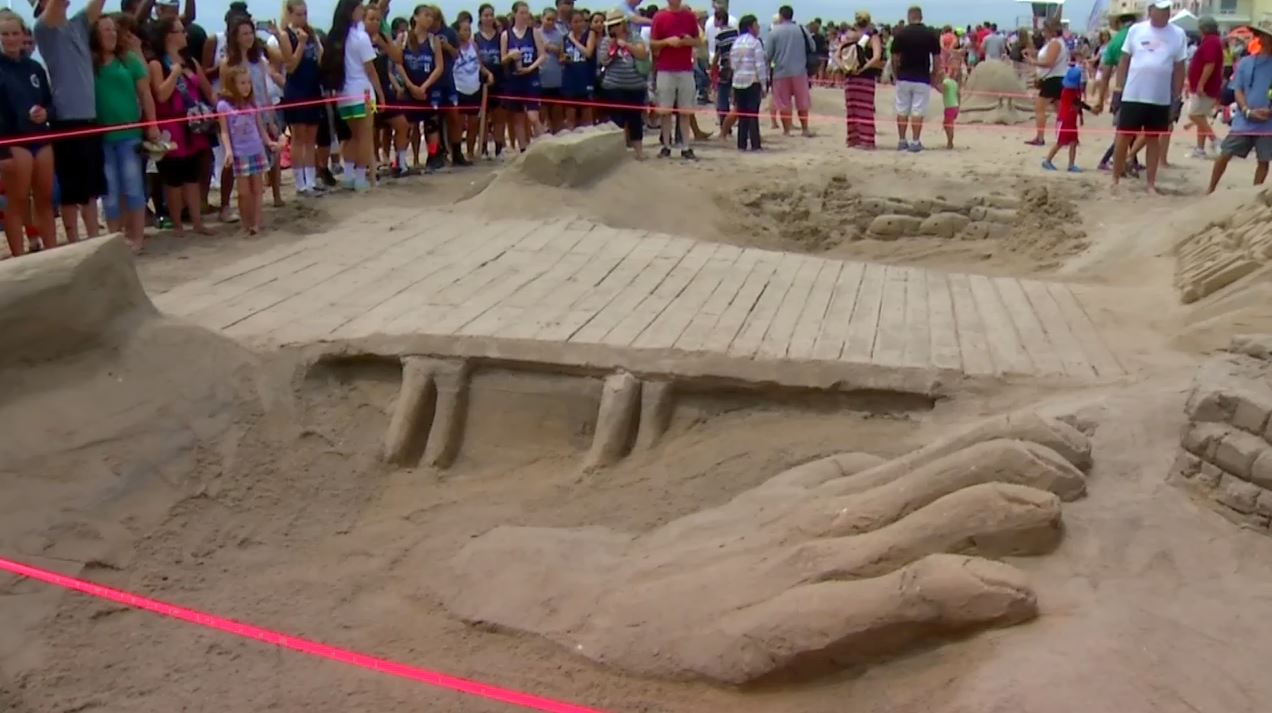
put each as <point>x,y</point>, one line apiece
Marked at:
<point>936,12</point>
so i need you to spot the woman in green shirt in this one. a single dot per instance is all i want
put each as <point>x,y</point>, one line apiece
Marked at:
<point>123,99</point>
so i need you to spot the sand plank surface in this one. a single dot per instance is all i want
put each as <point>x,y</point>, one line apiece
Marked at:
<point>550,282</point>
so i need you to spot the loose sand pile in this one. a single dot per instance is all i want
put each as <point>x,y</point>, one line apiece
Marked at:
<point>817,217</point>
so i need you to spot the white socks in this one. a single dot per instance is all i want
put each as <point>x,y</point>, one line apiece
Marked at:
<point>348,168</point>
<point>302,178</point>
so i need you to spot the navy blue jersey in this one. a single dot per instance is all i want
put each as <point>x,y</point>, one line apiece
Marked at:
<point>579,72</point>
<point>528,50</point>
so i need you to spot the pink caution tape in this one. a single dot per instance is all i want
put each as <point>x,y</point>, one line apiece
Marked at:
<point>304,646</point>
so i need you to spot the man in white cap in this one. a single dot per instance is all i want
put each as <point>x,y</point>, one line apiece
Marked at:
<point>1252,124</point>
<point>1151,74</point>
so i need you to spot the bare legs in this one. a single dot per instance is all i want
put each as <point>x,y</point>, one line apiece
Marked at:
<point>28,183</point>
<point>188,194</point>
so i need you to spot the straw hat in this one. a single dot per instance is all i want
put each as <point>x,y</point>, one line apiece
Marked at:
<point>862,19</point>
<point>614,17</point>
<point>1263,25</point>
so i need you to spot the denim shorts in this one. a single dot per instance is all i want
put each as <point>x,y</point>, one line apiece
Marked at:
<point>125,182</point>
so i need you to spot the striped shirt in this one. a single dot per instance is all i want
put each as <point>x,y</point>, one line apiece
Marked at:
<point>620,68</point>
<point>748,61</point>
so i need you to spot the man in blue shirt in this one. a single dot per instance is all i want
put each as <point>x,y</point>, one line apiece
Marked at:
<point>1252,124</point>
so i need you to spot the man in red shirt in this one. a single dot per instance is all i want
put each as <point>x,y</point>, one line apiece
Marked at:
<point>1205,82</point>
<point>674,36</point>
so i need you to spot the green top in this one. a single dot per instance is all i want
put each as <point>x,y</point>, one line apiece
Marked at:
<point>116,90</point>
<point>949,89</point>
<point>1113,50</point>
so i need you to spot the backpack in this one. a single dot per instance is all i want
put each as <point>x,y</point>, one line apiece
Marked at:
<point>852,56</point>
<point>812,63</point>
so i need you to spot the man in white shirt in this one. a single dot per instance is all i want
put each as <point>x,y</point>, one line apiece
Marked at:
<point>1151,74</point>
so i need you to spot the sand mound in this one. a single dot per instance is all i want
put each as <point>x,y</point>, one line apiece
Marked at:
<point>619,198</point>
<point>62,301</point>
<point>995,94</point>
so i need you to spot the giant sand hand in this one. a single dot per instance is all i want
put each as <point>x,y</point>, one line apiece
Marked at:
<point>835,562</point>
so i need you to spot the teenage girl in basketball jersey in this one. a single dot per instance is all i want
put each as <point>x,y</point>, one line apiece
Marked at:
<point>522,49</point>
<point>489,48</point>
<point>578,73</point>
<point>421,68</point>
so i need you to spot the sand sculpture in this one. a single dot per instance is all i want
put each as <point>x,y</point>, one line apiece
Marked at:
<point>82,293</point>
<point>1225,456</point>
<point>835,562</point>
<point>572,158</point>
<point>995,94</point>
<point>1225,251</point>
<point>820,217</point>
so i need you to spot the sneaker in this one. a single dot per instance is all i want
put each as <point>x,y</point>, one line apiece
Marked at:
<point>688,155</point>
<point>163,223</point>
<point>361,185</point>
<point>664,152</point>
<point>460,161</point>
<point>1074,169</point>
<point>916,147</point>
<point>1104,166</point>
<point>346,182</point>
<point>1048,166</point>
<point>1035,142</point>
<point>1199,154</point>
<point>902,145</point>
<point>327,177</point>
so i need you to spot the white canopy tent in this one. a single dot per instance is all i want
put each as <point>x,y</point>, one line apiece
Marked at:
<point>1185,20</point>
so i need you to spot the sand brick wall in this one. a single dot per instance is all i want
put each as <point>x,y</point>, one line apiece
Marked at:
<point>1226,448</point>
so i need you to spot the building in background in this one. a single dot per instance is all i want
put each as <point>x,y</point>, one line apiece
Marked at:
<point>1234,13</point>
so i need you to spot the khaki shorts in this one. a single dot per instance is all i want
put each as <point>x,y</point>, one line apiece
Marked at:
<point>675,90</point>
<point>1202,105</point>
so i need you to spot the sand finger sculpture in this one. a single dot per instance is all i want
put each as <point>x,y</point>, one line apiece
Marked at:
<point>835,562</point>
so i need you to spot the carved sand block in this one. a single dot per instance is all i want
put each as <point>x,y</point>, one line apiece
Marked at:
<point>1223,253</point>
<point>1225,456</point>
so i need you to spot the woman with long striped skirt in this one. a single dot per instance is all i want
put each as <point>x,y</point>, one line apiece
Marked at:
<point>861,57</point>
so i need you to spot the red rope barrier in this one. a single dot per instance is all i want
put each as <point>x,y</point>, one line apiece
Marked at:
<point>706,110</point>
<point>305,646</point>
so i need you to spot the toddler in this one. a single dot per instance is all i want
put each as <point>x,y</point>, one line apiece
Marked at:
<point>1069,115</point>
<point>950,91</point>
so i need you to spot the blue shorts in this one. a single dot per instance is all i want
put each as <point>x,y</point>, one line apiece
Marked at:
<point>521,97</point>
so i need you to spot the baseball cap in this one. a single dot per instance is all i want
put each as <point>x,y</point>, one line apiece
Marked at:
<point>1161,4</point>
<point>1072,78</point>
